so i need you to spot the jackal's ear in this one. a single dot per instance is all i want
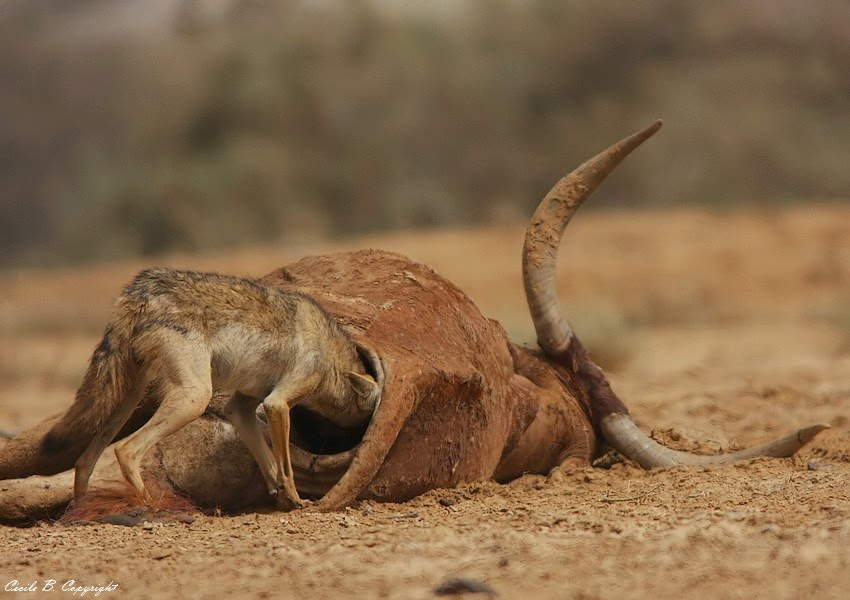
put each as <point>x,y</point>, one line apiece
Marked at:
<point>366,388</point>
<point>364,385</point>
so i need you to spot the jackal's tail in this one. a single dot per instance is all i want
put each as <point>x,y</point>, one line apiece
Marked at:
<point>112,375</point>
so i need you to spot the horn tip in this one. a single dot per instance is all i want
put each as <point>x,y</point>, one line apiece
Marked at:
<point>655,126</point>
<point>806,434</point>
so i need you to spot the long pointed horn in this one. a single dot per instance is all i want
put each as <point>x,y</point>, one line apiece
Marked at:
<point>622,433</point>
<point>543,236</point>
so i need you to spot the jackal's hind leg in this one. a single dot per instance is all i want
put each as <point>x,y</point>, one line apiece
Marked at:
<point>87,461</point>
<point>240,410</point>
<point>277,404</point>
<point>187,390</point>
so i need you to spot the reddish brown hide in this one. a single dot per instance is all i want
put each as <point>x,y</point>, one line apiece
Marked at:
<point>454,405</point>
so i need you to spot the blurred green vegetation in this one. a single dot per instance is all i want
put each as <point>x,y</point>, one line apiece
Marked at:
<point>272,120</point>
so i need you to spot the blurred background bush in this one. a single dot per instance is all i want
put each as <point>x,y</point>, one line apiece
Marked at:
<point>133,127</point>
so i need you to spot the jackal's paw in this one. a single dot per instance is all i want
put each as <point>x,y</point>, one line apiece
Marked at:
<point>288,499</point>
<point>287,504</point>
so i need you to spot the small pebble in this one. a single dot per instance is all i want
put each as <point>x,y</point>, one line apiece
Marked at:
<point>462,585</point>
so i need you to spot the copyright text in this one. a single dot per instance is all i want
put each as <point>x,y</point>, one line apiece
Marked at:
<point>69,587</point>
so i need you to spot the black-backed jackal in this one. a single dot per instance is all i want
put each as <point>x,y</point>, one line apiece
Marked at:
<point>191,333</point>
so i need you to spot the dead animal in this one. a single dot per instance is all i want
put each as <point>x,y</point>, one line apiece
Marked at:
<point>459,401</point>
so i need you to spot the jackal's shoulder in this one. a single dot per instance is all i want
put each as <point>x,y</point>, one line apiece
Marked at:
<point>160,281</point>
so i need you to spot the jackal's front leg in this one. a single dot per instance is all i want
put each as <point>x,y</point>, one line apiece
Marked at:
<point>277,405</point>
<point>287,494</point>
<point>240,410</point>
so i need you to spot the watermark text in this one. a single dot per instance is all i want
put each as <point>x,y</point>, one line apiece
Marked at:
<point>69,586</point>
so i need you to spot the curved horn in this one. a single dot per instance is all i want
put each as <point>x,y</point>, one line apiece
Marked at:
<point>543,236</point>
<point>622,433</point>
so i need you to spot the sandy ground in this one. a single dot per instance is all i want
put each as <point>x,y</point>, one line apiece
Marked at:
<point>726,329</point>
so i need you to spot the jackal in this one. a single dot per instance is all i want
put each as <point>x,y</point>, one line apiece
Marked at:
<point>190,333</point>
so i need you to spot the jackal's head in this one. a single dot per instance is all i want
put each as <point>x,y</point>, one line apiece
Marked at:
<point>354,394</point>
